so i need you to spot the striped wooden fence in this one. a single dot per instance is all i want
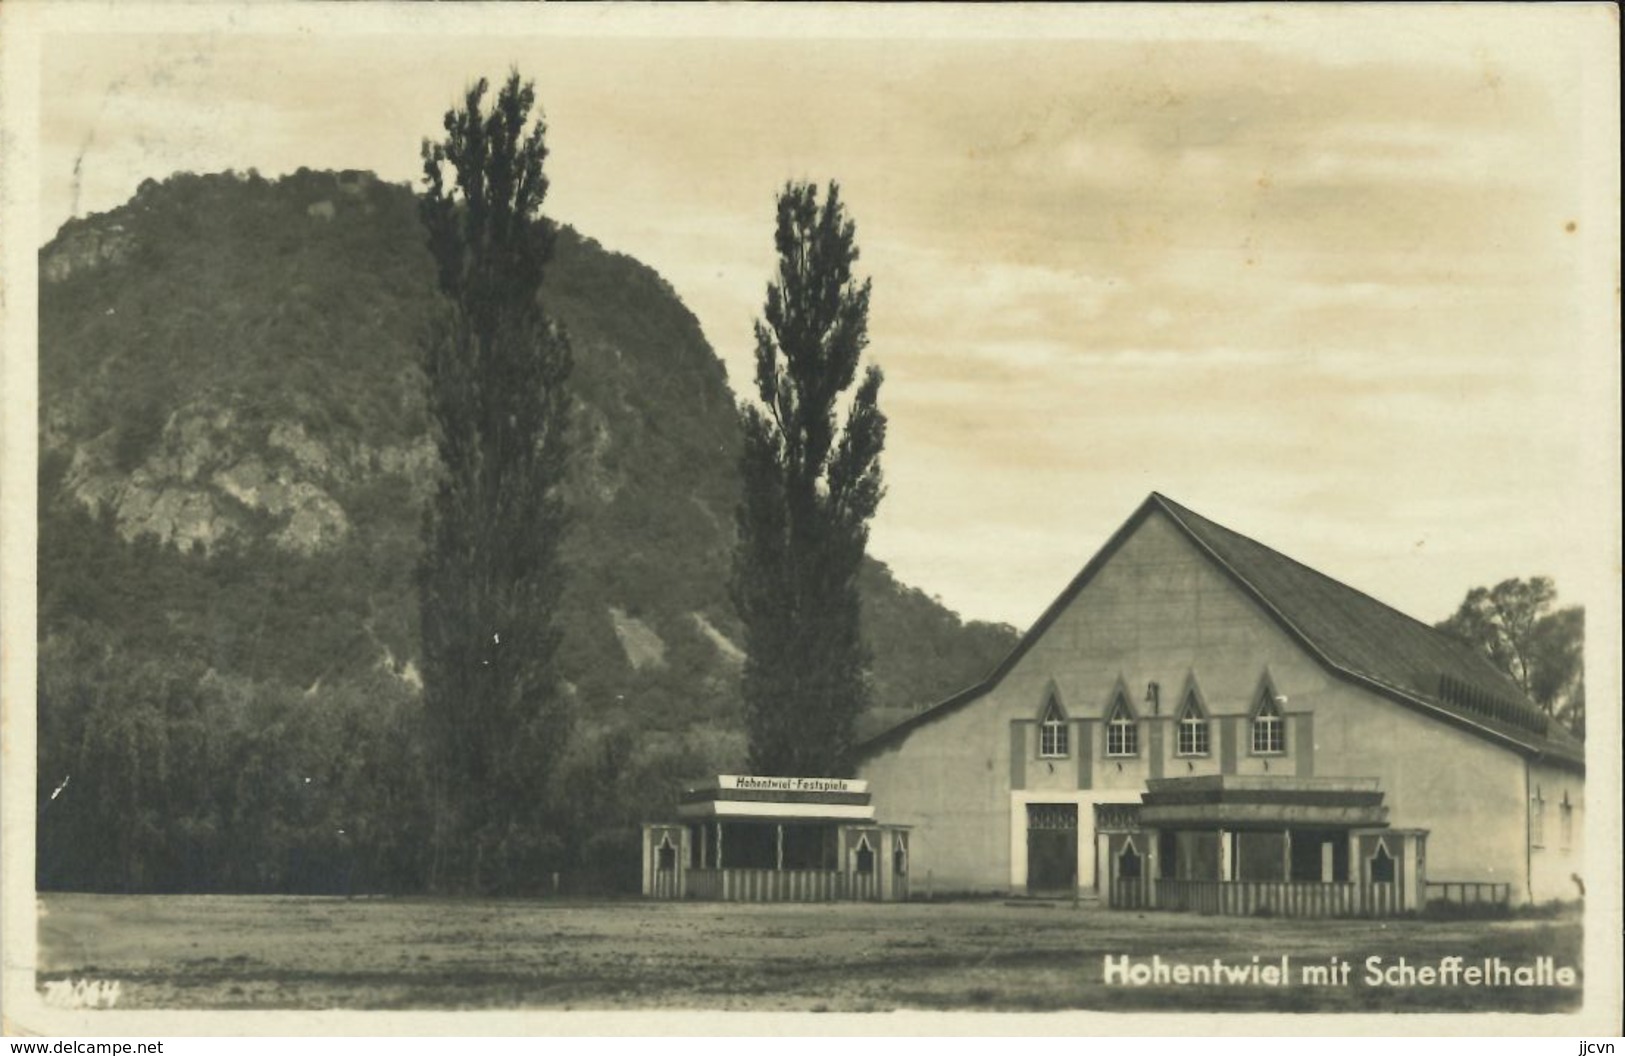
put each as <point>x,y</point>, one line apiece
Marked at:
<point>1134,893</point>
<point>861,887</point>
<point>1245,898</point>
<point>666,884</point>
<point>705,884</point>
<point>781,885</point>
<point>1468,892</point>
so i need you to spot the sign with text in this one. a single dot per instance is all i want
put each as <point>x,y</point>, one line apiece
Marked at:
<point>746,783</point>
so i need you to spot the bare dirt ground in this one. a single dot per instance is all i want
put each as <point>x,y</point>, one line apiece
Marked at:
<point>230,952</point>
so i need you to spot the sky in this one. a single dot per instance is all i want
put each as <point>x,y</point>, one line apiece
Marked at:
<point>1329,277</point>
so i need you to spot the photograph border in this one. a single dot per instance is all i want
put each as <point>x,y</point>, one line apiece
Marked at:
<point>30,26</point>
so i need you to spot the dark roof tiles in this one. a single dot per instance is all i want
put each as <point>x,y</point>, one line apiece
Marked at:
<point>1359,636</point>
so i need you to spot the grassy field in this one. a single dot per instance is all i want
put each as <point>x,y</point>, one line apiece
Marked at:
<point>279,953</point>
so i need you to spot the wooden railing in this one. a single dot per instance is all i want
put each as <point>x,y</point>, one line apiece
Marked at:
<point>704,884</point>
<point>1245,898</point>
<point>860,887</point>
<point>780,885</point>
<point>1129,894</point>
<point>1468,892</point>
<point>666,884</point>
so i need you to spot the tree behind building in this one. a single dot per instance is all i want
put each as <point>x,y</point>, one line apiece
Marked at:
<point>811,484</point>
<point>490,582</point>
<point>1541,649</point>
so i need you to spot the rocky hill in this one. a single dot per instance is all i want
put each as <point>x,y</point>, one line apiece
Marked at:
<point>234,456</point>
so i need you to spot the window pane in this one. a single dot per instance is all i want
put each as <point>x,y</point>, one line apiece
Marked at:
<point>1052,733</point>
<point>1193,736</point>
<point>1268,726</point>
<point>1052,739</point>
<point>1121,733</point>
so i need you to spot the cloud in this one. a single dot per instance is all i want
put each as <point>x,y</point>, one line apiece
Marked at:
<point>1311,280</point>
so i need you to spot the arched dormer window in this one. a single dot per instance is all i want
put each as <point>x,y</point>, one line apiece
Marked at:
<point>1052,732</point>
<point>1122,732</point>
<point>1193,727</point>
<point>1269,729</point>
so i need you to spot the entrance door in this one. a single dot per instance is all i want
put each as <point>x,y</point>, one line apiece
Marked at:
<point>1052,848</point>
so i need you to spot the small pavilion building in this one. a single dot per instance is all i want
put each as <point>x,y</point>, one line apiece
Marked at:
<point>739,838</point>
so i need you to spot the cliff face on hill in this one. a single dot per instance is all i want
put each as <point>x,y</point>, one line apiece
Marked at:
<point>235,453</point>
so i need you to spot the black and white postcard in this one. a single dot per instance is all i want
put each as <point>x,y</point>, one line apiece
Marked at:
<point>1013,519</point>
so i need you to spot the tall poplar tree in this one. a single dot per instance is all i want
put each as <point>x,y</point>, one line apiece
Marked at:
<point>811,484</point>
<point>490,581</point>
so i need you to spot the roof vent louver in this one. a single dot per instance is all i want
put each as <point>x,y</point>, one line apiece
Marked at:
<point>1467,697</point>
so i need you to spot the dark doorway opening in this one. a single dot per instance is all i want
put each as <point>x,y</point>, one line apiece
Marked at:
<point>1052,848</point>
<point>1320,856</point>
<point>1167,855</point>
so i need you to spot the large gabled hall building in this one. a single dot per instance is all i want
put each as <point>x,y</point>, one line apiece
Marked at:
<point>1198,717</point>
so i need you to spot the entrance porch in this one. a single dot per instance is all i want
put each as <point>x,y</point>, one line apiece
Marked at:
<point>1287,846</point>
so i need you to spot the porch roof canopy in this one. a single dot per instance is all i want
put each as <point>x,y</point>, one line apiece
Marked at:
<point>1253,801</point>
<point>730,797</point>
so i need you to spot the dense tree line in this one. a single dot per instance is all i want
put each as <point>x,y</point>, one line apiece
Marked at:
<point>158,776</point>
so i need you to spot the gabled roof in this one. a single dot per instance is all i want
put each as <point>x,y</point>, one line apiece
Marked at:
<point>1355,637</point>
